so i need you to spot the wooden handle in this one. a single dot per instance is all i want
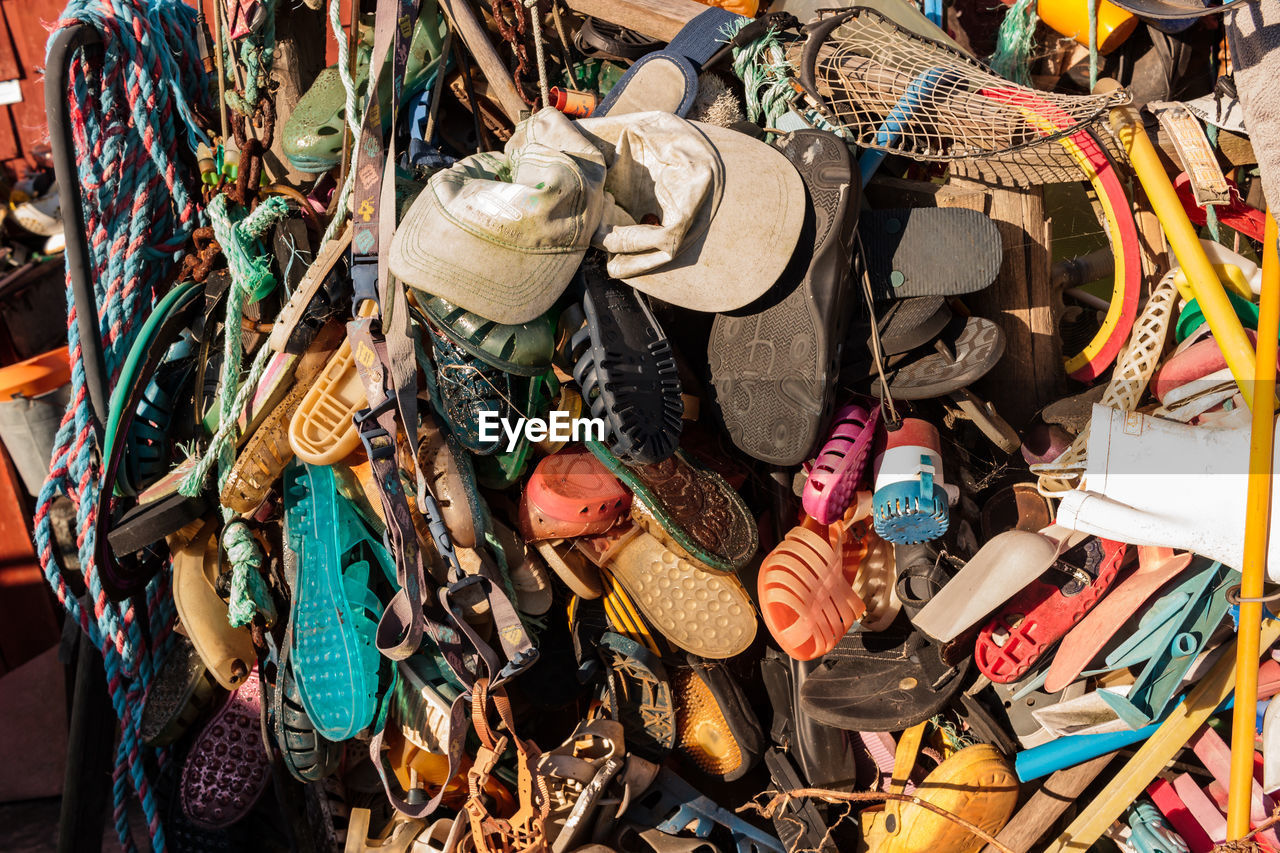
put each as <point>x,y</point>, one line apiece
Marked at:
<point>467,24</point>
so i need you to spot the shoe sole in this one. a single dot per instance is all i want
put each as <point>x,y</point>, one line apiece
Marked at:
<point>929,251</point>
<point>772,370</point>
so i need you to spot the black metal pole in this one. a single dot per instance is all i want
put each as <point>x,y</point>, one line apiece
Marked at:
<point>83,814</point>
<point>92,726</point>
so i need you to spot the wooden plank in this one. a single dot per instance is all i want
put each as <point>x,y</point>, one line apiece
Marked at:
<point>23,125</point>
<point>659,19</point>
<point>28,622</point>
<point>1046,805</point>
<point>1021,300</point>
<point>466,23</point>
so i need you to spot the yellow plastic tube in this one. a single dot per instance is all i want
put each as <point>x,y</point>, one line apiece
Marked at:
<point>1257,526</point>
<point>1181,234</point>
<point>1071,19</point>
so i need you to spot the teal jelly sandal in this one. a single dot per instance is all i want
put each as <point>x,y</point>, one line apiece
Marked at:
<point>335,610</point>
<point>313,134</point>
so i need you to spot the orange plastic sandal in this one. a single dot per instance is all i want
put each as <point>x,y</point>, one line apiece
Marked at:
<point>806,588</point>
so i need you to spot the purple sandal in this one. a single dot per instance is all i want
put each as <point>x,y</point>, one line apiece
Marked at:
<point>227,770</point>
<point>836,472</point>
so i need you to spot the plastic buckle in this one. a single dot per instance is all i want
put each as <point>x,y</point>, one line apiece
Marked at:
<point>378,443</point>
<point>518,664</point>
<point>364,280</point>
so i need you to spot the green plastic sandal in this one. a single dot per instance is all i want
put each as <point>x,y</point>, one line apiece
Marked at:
<point>524,349</point>
<point>313,133</point>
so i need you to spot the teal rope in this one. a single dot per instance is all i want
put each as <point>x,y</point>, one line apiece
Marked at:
<point>766,78</point>
<point>1014,41</point>
<point>248,589</point>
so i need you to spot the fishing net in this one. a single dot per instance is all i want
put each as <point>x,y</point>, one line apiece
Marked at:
<point>899,92</point>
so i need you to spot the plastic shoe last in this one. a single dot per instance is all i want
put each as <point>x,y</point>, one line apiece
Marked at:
<point>1005,564</point>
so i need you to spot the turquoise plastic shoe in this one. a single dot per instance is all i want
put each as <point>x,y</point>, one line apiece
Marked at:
<point>335,610</point>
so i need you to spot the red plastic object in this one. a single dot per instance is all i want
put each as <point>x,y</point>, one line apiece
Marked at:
<point>1183,822</point>
<point>573,103</point>
<point>1127,289</point>
<point>1156,567</point>
<point>571,493</point>
<point>1037,617</point>
<point>1235,214</point>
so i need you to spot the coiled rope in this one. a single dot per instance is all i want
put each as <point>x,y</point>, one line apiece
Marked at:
<point>130,111</point>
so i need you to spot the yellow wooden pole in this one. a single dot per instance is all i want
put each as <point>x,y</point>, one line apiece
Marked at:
<point>1256,530</point>
<point>1204,281</point>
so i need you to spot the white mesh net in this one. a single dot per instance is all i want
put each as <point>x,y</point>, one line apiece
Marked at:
<point>899,92</point>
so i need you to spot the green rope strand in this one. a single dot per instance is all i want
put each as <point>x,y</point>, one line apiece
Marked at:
<point>251,277</point>
<point>1014,42</point>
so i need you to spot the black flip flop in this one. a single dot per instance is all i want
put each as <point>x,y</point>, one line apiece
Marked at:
<point>905,324</point>
<point>626,370</point>
<point>881,682</point>
<point>929,251</point>
<point>773,362</point>
<point>963,355</point>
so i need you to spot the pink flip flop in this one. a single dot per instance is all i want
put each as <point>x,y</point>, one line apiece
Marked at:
<point>227,770</point>
<point>835,474</point>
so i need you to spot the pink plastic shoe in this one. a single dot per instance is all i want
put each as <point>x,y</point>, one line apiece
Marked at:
<point>806,583</point>
<point>227,770</point>
<point>839,468</point>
